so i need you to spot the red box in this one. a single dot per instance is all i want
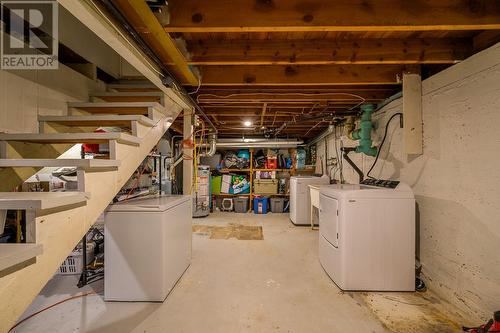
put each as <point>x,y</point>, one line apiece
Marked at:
<point>272,163</point>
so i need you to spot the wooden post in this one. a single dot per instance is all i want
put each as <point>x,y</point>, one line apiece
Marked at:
<point>187,164</point>
<point>412,114</point>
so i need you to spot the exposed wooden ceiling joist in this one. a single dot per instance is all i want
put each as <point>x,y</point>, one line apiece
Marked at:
<point>486,39</point>
<point>302,75</point>
<point>324,52</point>
<point>328,15</point>
<point>220,109</point>
<point>293,89</point>
<point>262,97</point>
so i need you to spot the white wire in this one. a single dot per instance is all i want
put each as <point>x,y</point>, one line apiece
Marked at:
<point>197,89</point>
<point>222,97</point>
<point>319,122</point>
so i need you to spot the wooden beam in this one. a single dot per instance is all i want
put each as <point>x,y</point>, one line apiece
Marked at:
<point>412,114</point>
<point>282,115</point>
<point>486,39</point>
<point>324,52</point>
<point>303,123</point>
<point>295,97</point>
<point>143,20</point>
<point>288,107</point>
<point>187,163</point>
<point>242,88</point>
<point>302,75</point>
<point>328,15</point>
<point>115,38</point>
<point>263,114</point>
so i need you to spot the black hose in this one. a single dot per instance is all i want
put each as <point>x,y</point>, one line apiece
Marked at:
<point>382,143</point>
<point>346,151</point>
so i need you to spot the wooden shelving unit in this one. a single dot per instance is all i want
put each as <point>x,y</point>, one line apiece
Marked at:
<point>250,171</point>
<point>233,195</point>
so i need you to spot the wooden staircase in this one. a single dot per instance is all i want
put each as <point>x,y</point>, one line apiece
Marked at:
<point>56,221</point>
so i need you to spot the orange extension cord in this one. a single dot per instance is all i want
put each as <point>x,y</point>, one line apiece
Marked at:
<point>53,305</point>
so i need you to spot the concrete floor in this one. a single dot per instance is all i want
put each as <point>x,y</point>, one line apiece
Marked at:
<point>271,285</point>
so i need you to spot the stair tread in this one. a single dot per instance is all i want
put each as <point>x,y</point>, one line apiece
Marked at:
<point>13,254</point>
<point>142,108</point>
<point>115,105</point>
<point>40,162</point>
<point>72,137</point>
<point>153,96</point>
<point>40,200</point>
<point>133,86</point>
<point>102,120</point>
<point>128,93</point>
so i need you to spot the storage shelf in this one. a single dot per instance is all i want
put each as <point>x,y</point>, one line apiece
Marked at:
<point>233,195</point>
<point>268,195</point>
<point>234,170</point>
<point>248,170</point>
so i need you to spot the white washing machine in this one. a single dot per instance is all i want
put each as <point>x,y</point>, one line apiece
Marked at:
<point>367,235</point>
<point>300,199</point>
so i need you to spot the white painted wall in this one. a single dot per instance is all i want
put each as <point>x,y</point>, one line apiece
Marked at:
<point>456,181</point>
<point>26,94</point>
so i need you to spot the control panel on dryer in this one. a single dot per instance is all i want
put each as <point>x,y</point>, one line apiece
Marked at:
<point>380,183</point>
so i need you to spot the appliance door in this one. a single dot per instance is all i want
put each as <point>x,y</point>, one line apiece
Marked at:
<point>329,219</point>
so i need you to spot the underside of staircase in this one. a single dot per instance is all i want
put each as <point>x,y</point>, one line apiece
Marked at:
<point>56,221</point>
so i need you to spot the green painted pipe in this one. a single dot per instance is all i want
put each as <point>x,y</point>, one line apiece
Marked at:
<point>364,132</point>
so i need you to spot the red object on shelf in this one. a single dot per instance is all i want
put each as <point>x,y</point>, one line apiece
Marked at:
<point>493,325</point>
<point>92,148</point>
<point>271,163</point>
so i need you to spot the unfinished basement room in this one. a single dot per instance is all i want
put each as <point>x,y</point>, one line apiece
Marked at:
<point>286,166</point>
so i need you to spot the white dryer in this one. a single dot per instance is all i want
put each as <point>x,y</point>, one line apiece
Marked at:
<point>300,200</point>
<point>367,235</point>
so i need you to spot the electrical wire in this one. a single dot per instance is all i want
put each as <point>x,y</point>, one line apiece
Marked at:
<point>336,150</point>
<point>197,89</point>
<point>90,293</point>
<point>382,143</point>
<point>222,97</point>
<point>315,125</point>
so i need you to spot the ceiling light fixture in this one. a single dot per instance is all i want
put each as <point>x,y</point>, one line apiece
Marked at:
<point>247,123</point>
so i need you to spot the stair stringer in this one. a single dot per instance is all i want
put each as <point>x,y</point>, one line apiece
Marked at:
<point>59,232</point>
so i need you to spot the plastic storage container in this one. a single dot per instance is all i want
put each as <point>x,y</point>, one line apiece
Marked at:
<point>301,159</point>
<point>212,161</point>
<point>260,205</point>
<point>272,163</point>
<point>277,205</point>
<point>74,262</point>
<point>216,184</point>
<point>240,204</point>
<point>227,204</point>
<point>265,186</point>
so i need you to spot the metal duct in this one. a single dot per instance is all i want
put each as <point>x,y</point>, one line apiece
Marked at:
<point>257,143</point>
<point>212,141</point>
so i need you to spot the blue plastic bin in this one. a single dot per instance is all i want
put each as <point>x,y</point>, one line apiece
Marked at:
<point>260,205</point>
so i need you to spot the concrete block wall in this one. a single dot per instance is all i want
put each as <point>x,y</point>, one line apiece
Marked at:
<point>456,181</point>
<point>26,94</point>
